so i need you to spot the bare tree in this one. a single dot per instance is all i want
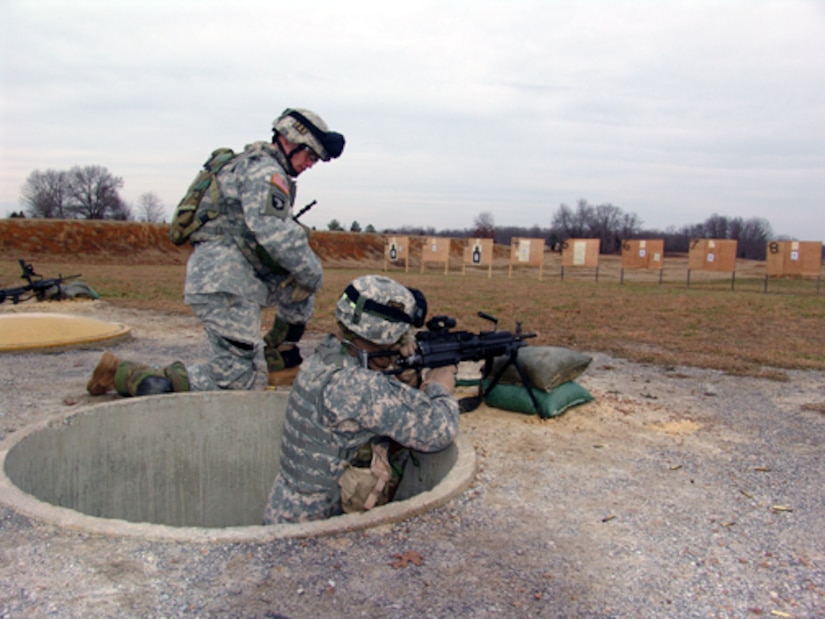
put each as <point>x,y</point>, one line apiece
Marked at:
<point>583,218</point>
<point>150,208</point>
<point>45,194</point>
<point>566,223</point>
<point>605,222</point>
<point>484,225</point>
<point>717,227</point>
<point>630,226</point>
<point>754,237</point>
<point>93,194</point>
<point>605,225</point>
<point>735,226</point>
<point>121,212</point>
<point>570,224</point>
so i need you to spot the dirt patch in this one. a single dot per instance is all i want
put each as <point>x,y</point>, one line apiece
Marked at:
<point>681,427</point>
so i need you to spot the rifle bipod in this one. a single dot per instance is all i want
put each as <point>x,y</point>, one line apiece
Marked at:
<point>470,403</point>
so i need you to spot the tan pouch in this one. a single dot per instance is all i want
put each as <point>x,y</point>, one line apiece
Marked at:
<point>364,488</point>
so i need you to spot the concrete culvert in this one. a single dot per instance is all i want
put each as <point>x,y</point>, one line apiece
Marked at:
<point>188,467</point>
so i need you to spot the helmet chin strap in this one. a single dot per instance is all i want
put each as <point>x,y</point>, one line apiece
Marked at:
<point>364,356</point>
<point>287,155</point>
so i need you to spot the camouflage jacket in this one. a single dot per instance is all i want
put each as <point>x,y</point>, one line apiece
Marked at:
<point>337,406</point>
<point>257,196</point>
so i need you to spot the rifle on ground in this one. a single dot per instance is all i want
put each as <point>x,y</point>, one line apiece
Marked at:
<point>37,286</point>
<point>439,346</point>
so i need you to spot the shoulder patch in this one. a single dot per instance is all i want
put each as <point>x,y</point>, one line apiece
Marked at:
<point>280,182</point>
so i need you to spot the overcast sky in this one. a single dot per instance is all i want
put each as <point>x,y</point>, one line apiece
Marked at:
<point>673,110</point>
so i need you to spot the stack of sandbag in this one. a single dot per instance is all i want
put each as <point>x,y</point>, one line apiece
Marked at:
<point>552,372</point>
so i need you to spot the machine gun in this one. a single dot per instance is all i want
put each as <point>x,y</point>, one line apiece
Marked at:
<point>439,346</point>
<point>37,286</point>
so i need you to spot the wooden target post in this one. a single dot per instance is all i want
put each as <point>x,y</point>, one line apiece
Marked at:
<point>643,254</point>
<point>396,249</point>
<point>478,253</point>
<point>794,258</point>
<point>526,252</point>
<point>580,253</point>
<point>436,249</point>
<point>717,255</point>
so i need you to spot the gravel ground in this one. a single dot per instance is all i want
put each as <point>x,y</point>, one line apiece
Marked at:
<point>678,492</point>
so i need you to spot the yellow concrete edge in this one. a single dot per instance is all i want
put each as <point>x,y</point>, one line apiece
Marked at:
<point>22,332</point>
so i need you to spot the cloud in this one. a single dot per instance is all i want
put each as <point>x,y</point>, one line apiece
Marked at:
<point>450,108</point>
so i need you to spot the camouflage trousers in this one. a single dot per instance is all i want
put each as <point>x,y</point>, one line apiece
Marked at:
<point>233,330</point>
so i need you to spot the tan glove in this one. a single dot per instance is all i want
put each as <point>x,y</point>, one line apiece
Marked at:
<point>299,293</point>
<point>407,349</point>
<point>443,376</point>
<point>407,345</point>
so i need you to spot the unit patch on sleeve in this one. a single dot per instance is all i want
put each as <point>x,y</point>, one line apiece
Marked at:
<point>279,201</point>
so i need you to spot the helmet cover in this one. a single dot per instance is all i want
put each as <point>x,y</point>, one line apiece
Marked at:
<point>306,128</point>
<point>378,309</point>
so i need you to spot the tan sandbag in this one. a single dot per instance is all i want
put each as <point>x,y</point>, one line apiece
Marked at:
<point>546,367</point>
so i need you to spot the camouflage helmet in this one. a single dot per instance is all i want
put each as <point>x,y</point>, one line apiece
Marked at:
<point>306,128</point>
<point>379,309</point>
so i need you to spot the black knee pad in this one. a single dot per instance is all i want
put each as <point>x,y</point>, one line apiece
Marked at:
<point>291,357</point>
<point>154,385</point>
<point>244,346</point>
<point>295,333</point>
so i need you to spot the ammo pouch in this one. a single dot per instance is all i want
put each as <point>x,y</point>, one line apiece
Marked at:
<point>362,488</point>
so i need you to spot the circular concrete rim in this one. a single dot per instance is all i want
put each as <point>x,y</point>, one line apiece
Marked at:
<point>95,332</point>
<point>454,483</point>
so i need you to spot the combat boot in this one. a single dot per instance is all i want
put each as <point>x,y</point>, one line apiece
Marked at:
<point>103,376</point>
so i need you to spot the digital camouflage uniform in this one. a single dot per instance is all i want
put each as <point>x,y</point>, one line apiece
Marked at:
<point>248,254</point>
<point>229,279</point>
<point>337,406</point>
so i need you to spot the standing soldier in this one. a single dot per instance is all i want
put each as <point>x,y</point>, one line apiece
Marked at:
<point>342,404</point>
<point>248,254</point>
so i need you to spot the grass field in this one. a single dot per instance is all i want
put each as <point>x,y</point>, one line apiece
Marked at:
<point>716,322</point>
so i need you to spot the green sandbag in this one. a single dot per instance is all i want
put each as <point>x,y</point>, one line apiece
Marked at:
<point>546,367</point>
<point>76,290</point>
<point>551,404</point>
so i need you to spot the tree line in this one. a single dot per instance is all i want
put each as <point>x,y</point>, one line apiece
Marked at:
<point>92,192</point>
<point>611,225</point>
<point>84,192</point>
